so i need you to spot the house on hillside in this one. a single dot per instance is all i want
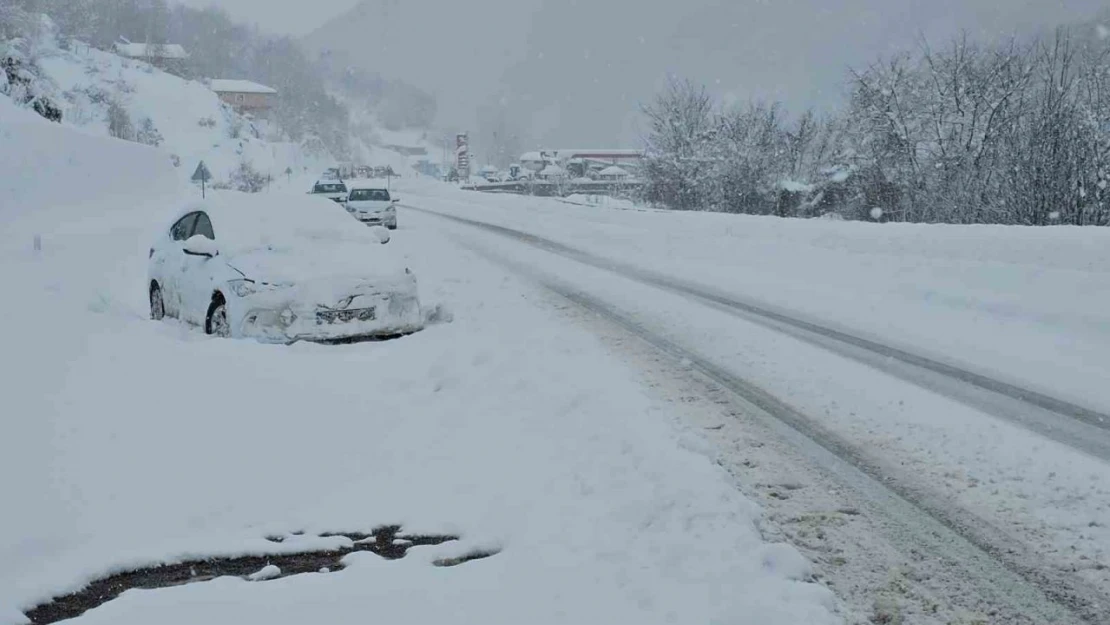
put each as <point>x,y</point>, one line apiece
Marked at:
<point>614,173</point>
<point>169,57</point>
<point>243,95</point>
<point>552,172</point>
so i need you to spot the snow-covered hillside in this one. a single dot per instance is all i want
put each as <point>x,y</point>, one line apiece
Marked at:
<point>104,94</point>
<point>376,145</point>
<point>108,95</point>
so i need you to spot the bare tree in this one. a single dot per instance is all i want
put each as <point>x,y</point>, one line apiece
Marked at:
<point>682,130</point>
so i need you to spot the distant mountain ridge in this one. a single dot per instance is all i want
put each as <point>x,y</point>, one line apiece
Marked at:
<point>563,72</point>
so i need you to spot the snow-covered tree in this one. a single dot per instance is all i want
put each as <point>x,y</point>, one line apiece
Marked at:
<point>680,147</point>
<point>119,122</point>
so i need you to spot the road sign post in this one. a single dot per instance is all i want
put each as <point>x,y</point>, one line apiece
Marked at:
<point>202,175</point>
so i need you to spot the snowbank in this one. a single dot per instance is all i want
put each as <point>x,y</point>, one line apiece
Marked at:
<point>47,165</point>
<point>602,200</point>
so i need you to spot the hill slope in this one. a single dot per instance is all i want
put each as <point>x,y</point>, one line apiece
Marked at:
<point>107,95</point>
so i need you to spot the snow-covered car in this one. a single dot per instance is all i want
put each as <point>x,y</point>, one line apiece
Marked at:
<point>334,190</point>
<point>373,205</point>
<point>280,270</point>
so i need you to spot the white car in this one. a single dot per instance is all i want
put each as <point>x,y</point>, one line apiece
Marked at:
<point>373,205</point>
<point>280,270</point>
<point>334,190</point>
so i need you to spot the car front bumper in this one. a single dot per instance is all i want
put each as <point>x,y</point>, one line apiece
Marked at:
<point>375,315</point>
<point>388,218</point>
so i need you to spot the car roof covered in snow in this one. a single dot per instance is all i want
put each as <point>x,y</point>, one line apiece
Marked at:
<point>243,222</point>
<point>369,186</point>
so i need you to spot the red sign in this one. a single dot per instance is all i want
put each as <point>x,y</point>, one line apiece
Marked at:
<point>462,155</point>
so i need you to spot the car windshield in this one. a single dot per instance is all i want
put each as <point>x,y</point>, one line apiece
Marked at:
<point>330,187</point>
<point>369,195</point>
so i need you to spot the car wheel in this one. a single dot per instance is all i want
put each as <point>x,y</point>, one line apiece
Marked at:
<point>157,305</point>
<point>217,323</point>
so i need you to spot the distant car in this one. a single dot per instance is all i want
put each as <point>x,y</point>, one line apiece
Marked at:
<point>490,174</point>
<point>280,271</point>
<point>335,191</point>
<point>373,205</point>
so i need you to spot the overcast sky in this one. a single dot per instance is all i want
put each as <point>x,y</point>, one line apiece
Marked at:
<point>575,71</point>
<point>296,17</point>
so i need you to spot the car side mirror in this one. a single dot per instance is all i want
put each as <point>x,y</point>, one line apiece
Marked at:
<point>200,245</point>
<point>396,200</point>
<point>382,234</point>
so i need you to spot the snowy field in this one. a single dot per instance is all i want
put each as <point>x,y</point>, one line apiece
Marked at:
<point>128,442</point>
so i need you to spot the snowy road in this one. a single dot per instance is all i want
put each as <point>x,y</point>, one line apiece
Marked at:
<point>1015,527</point>
<point>1082,428</point>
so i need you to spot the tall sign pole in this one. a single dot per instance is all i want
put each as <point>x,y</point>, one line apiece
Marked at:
<point>462,155</point>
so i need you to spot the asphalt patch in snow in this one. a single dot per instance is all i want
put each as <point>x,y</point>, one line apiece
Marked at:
<point>386,541</point>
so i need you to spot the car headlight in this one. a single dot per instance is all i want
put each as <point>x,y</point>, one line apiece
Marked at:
<point>243,288</point>
<point>266,320</point>
<point>403,304</point>
<point>287,317</point>
<point>246,287</point>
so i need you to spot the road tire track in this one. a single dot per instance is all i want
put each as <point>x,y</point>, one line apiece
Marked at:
<point>1065,422</point>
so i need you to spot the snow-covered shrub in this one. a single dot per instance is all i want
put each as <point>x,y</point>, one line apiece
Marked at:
<point>22,84</point>
<point>206,122</point>
<point>235,123</point>
<point>247,179</point>
<point>97,95</point>
<point>119,122</point>
<point>148,134</point>
<point>45,106</point>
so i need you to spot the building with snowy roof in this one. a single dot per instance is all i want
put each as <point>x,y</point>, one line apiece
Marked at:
<point>243,95</point>
<point>151,50</point>
<point>614,172</point>
<point>582,159</point>
<point>170,57</point>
